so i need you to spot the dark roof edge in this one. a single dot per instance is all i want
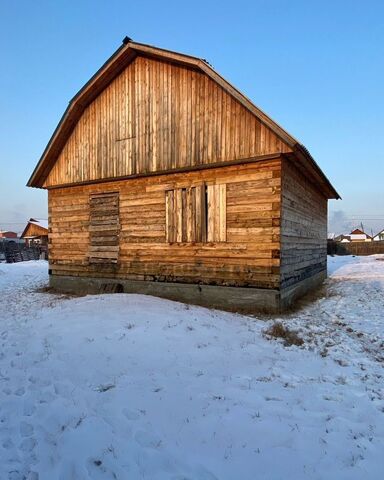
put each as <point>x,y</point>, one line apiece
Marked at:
<point>301,149</point>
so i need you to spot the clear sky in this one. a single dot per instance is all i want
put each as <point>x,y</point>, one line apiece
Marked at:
<point>316,67</point>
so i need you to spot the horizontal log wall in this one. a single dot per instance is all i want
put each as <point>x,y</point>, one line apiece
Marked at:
<point>249,257</point>
<point>303,227</point>
<point>157,117</point>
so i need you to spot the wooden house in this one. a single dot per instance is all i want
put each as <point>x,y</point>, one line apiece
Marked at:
<point>7,234</point>
<point>359,235</point>
<point>379,236</point>
<point>170,182</point>
<point>343,238</point>
<point>35,232</point>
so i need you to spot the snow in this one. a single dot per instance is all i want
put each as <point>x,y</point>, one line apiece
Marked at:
<point>135,387</point>
<point>40,222</point>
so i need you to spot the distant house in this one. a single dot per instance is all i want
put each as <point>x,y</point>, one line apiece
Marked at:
<point>7,234</point>
<point>343,238</point>
<point>36,232</point>
<point>379,236</point>
<point>358,235</point>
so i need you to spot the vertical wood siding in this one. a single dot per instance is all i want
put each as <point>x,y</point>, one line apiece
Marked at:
<point>185,216</point>
<point>217,213</point>
<point>154,117</point>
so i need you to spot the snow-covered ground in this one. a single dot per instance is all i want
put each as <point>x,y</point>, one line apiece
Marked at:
<point>135,387</point>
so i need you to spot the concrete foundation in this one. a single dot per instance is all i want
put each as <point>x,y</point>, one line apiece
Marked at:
<point>289,295</point>
<point>235,299</point>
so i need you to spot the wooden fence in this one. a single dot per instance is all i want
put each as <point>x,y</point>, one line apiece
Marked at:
<point>355,248</point>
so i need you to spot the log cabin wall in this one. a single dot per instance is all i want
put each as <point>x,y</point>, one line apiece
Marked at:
<point>247,255</point>
<point>303,227</point>
<point>157,116</point>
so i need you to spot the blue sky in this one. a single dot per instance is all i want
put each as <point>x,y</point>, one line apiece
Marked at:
<point>317,68</point>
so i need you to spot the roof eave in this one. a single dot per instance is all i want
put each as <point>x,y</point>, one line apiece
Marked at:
<point>302,152</point>
<point>112,67</point>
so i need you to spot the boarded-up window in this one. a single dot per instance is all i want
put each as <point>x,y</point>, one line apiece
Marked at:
<point>196,214</point>
<point>104,227</point>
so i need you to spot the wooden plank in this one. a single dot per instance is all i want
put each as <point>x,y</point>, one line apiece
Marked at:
<point>211,213</point>
<point>217,213</point>
<point>179,214</point>
<point>184,234</point>
<point>190,214</point>
<point>222,213</point>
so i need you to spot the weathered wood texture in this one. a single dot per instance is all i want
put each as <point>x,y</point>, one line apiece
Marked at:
<point>303,227</point>
<point>154,117</point>
<point>249,256</point>
<point>104,228</point>
<point>217,213</point>
<point>185,214</point>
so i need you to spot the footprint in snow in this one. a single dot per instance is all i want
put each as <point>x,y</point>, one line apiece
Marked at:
<point>28,444</point>
<point>130,414</point>
<point>26,429</point>
<point>97,469</point>
<point>148,440</point>
<point>20,391</point>
<point>4,418</point>
<point>29,409</point>
<point>7,444</point>
<point>18,363</point>
<point>39,382</point>
<point>46,397</point>
<point>63,389</point>
<point>16,475</point>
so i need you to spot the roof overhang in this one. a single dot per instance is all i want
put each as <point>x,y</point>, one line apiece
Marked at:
<point>112,68</point>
